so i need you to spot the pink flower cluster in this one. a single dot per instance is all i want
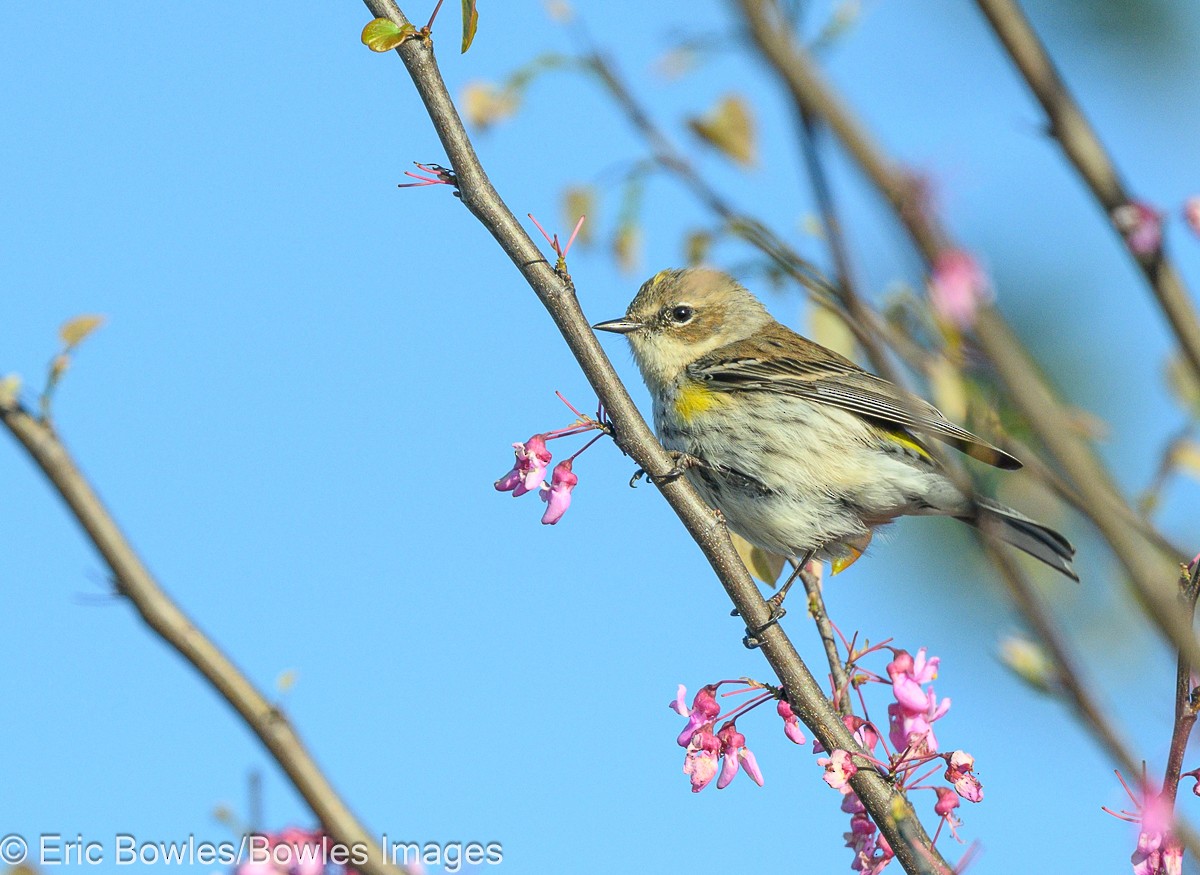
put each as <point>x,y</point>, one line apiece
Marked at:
<point>1158,851</point>
<point>710,749</point>
<point>533,458</point>
<point>958,287</point>
<point>914,748</point>
<point>295,851</point>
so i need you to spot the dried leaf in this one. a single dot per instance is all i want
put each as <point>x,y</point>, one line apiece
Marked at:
<point>729,128</point>
<point>470,23</point>
<point>697,246</point>
<point>627,246</point>
<point>765,566</point>
<point>73,331</point>
<point>486,104</point>
<point>383,35</point>
<point>579,200</point>
<point>1182,383</point>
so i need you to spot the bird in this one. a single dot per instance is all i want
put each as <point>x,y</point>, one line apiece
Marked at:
<point>803,453</point>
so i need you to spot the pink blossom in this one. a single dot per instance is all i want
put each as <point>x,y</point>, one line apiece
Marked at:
<point>947,801</point>
<point>700,761</point>
<point>791,723</point>
<point>959,772</point>
<point>704,710</point>
<point>1141,225</point>
<point>733,749</point>
<point>529,469</point>
<point>1191,213</point>
<point>839,769</point>
<point>957,287</point>
<point>558,494</point>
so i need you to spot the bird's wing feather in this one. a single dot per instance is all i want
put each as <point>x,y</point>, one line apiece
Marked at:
<point>841,383</point>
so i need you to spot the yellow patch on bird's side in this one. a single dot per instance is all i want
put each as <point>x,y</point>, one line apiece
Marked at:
<point>908,443</point>
<point>695,398</point>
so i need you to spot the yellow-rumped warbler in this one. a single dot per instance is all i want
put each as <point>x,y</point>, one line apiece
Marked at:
<point>802,451</point>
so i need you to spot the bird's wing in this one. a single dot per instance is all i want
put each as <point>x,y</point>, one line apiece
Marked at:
<point>843,384</point>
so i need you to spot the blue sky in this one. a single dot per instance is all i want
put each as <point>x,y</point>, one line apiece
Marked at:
<point>309,380</point>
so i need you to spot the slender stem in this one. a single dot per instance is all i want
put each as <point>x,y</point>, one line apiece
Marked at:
<point>169,622</point>
<point>1082,147</point>
<point>891,811</point>
<point>1187,699</point>
<point>837,667</point>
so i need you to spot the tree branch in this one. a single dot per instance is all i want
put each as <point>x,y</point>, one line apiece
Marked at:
<point>891,811</point>
<point>1082,147</point>
<point>170,623</point>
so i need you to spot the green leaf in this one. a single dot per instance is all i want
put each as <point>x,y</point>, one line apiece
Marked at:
<point>470,23</point>
<point>73,331</point>
<point>383,35</point>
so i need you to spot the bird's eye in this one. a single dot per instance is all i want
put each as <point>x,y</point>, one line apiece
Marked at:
<point>682,313</point>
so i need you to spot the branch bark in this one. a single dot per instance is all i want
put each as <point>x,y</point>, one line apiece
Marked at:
<point>169,622</point>
<point>891,811</point>
<point>1082,147</point>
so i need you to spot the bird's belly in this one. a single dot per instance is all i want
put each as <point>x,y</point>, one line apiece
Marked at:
<point>787,485</point>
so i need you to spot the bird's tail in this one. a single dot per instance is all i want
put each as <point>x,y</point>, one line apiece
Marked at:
<point>1040,542</point>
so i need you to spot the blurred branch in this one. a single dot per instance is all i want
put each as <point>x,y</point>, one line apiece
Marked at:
<point>1070,127</point>
<point>1151,574</point>
<point>891,811</point>
<point>1187,700</point>
<point>169,622</point>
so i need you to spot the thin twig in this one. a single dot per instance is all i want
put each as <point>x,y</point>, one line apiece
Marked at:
<point>837,667</point>
<point>170,623</point>
<point>1082,147</point>
<point>892,812</point>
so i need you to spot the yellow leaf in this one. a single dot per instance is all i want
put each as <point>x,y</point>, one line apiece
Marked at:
<point>765,566</point>
<point>1028,661</point>
<point>579,200</point>
<point>697,246</point>
<point>383,35</point>
<point>286,680</point>
<point>1182,383</point>
<point>10,388</point>
<point>73,331</point>
<point>627,246</point>
<point>729,128</point>
<point>1186,455</point>
<point>470,23</point>
<point>949,392</point>
<point>829,329</point>
<point>486,104</point>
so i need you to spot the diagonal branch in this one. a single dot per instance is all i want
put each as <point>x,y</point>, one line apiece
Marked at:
<point>1082,147</point>
<point>891,811</point>
<point>170,623</point>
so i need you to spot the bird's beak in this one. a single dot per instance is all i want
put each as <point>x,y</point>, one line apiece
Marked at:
<point>623,325</point>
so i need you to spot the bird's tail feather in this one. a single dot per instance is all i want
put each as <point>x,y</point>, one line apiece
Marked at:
<point>1029,536</point>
